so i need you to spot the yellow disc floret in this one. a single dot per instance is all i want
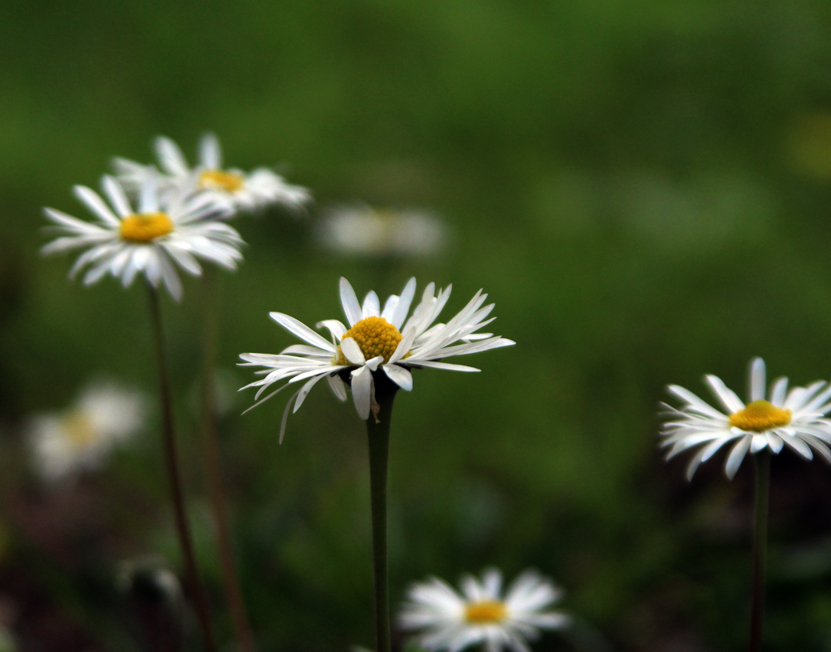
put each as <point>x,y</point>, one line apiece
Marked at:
<point>375,336</point>
<point>145,227</point>
<point>485,612</point>
<point>760,416</point>
<point>220,180</point>
<point>79,429</point>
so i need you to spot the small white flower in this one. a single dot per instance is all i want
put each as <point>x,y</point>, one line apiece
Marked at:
<point>237,190</point>
<point>152,240</point>
<point>369,232</point>
<point>794,418</point>
<point>377,341</point>
<point>79,439</point>
<point>450,621</point>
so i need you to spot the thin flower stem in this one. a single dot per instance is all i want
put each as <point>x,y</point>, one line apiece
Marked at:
<point>760,546</point>
<point>378,431</point>
<point>211,457</point>
<point>175,478</point>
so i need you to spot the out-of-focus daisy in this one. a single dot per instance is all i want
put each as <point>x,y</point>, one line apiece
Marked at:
<point>795,418</point>
<point>376,341</point>
<point>151,240</point>
<point>79,438</point>
<point>369,232</point>
<point>451,621</point>
<point>240,191</point>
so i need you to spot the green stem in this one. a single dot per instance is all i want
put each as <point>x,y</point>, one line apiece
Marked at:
<point>175,477</point>
<point>760,546</point>
<point>211,457</point>
<point>378,431</point>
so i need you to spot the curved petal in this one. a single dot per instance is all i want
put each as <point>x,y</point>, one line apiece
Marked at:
<point>352,351</point>
<point>727,396</point>
<point>349,301</point>
<point>361,391</point>
<point>399,375</point>
<point>757,380</point>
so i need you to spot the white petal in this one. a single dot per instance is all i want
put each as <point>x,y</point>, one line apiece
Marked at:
<point>736,456</point>
<point>372,305</point>
<point>349,301</point>
<point>337,385</point>
<point>95,204</point>
<point>400,376</point>
<point>361,391</point>
<point>210,153</point>
<point>352,351</point>
<point>302,331</point>
<point>170,157</point>
<point>403,305</point>
<point>780,389</point>
<point>758,380</point>
<point>304,392</point>
<point>727,396</point>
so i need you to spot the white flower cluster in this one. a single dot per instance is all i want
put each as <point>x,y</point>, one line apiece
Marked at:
<point>150,222</point>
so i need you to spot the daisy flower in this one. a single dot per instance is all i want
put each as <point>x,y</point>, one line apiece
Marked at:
<point>80,438</point>
<point>376,341</point>
<point>452,621</point>
<point>152,239</point>
<point>795,418</point>
<point>238,190</point>
<point>365,231</point>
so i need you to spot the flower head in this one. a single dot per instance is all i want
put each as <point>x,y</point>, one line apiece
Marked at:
<point>365,231</point>
<point>795,418</point>
<point>152,239</point>
<point>376,341</point>
<point>230,187</point>
<point>79,438</point>
<point>450,621</point>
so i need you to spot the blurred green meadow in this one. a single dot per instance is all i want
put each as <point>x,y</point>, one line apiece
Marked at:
<point>642,188</point>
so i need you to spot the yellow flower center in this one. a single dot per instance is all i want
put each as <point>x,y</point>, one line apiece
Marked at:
<point>375,336</point>
<point>760,416</point>
<point>219,180</point>
<point>485,612</point>
<point>145,227</point>
<point>79,429</point>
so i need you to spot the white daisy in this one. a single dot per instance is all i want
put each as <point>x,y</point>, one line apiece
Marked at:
<point>377,341</point>
<point>230,187</point>
<point>79,439</point>
<point>795,418</point>
<point>151,240</point>
<point>368,232</point>
<point>450,621</point>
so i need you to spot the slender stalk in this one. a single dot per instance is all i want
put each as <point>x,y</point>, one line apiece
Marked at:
<point>213,470</point>
<point>378,431</point>
<point>760,548</point>
<point>175,478</point>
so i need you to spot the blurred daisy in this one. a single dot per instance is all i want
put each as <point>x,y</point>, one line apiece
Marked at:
<point>376,341</point>
<point>795,418</point>
<point>80,438</point>
<point>365,231</point>
<point>450,621</point>
<point>238,190</point>
<point>151,240</point>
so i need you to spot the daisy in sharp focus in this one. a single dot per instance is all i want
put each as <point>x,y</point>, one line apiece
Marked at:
<point>376,341</point>
<point>795,418</point>
<point>238,190</point>
<point>79,439</point>
<point>480,614</point>
<point>151,240</point>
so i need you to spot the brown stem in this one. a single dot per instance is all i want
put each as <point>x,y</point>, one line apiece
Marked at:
<point>213,470</point>
<point>175,478</point>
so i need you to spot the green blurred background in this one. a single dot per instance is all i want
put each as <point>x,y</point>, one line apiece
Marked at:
<point>643,189</point>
